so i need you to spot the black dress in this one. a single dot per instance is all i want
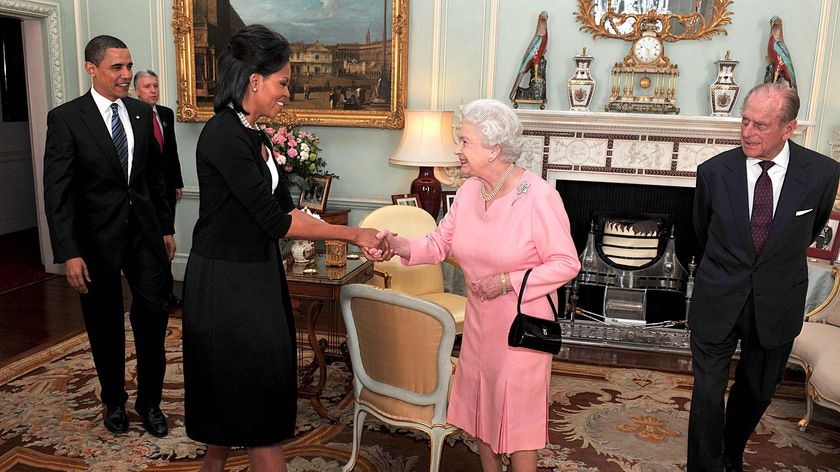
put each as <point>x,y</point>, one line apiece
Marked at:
<point>240,377</point>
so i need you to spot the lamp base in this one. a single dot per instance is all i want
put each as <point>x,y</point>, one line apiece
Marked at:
<point>428,189</point>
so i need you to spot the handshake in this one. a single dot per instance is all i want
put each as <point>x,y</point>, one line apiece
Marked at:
<point>381,245</point>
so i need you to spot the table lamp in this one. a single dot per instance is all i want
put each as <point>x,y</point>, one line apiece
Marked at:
<point>426,143</point>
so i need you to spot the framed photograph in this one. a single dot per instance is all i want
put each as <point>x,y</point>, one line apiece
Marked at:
<point>349,59</point>
<point>448,197</point>
<point>410,199</point>
<point>826,245</point>
<point>315,198</point>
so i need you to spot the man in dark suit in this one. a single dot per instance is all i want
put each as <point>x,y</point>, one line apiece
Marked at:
<point>147,87</point>
<point>757,208</point>
<point>105,206</point>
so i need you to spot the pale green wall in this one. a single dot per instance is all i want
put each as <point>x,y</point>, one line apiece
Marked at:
<point>456,66</point>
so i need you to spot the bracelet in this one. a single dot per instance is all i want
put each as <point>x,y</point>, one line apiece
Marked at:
<point>504,283</point>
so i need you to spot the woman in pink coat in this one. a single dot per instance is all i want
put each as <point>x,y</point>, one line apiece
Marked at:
<point>504,221</point>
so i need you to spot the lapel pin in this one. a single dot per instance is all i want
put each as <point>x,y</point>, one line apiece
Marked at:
<point>136,117</point>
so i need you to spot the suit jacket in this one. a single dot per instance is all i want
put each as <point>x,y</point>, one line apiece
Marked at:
<point>240,219</point>
<point>171,163</point>
<point>87,200</point>
<point>729,271</point>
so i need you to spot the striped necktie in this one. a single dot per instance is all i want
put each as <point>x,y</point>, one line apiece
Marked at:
<point>119,138</point>
<point>762,210</point>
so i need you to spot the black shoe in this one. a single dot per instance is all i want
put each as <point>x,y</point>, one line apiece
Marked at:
<point>116,421</point>
<point>730,465</point>
<point>174,302</point>
<point>154,422</point>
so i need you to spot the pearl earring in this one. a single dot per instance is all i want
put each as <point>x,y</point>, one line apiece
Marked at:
<point>254,89</point>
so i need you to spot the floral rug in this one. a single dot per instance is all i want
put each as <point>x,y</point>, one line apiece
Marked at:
<point>601,419</point>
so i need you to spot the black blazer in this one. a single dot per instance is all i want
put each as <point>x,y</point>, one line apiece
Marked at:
<point>87,200</point>
<point>239,217</point>
<point>171,163</point>
<point>729,271</point>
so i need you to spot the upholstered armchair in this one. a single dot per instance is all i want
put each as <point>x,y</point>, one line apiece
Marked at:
<point>817,350</point>
<point>400,347</point>
<point>425,280</point>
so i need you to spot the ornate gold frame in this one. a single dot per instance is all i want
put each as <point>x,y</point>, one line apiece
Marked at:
<point>190,111</point>
<point>695,25</point>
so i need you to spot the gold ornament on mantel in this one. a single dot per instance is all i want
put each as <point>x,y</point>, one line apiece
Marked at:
<point>646,80</point>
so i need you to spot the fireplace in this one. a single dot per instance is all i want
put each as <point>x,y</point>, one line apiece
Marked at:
<point>634,164</point>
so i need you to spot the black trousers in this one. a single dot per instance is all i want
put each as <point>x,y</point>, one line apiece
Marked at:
<point>757,375</point>
<point>103,311</point>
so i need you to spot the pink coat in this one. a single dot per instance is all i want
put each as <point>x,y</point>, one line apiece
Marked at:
<point>500,394</point>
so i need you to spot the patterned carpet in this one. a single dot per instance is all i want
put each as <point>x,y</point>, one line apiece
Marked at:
<point>602,419</point>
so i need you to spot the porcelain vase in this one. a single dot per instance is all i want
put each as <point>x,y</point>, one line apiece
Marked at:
<point>581,86</point>
<point>723,93</point>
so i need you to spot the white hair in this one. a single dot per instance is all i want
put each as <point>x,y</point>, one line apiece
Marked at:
<point>496,124</point>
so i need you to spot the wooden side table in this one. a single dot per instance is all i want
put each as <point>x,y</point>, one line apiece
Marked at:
<point>316,289</point>
<point>335,216</point>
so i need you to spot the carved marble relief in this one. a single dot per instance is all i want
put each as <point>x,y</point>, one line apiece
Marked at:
<point>577,151</point>
<point>642,155</point>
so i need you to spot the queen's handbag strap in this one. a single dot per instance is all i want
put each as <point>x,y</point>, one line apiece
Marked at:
<point>522,291</point>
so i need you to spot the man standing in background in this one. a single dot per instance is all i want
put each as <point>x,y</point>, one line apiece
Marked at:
<point>757,208</point>
<point>105,207</point>
<point>147,87</point>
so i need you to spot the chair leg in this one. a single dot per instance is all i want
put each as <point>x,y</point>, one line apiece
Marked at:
<point>436,437</point>
<point>809,400</point>
<point>809,409</point>
<point>359,416</point>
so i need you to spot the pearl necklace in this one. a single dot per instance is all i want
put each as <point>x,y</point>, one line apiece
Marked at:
<point>489,196</point>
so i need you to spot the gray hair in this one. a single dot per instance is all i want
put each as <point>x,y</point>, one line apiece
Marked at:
<point>788,95</point>
<point>143,73</point>
<point>496,124</point>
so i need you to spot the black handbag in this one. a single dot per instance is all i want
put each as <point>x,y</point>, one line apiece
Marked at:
<point>532,332</point>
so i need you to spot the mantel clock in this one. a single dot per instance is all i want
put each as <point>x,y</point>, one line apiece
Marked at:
<point>646,80</point>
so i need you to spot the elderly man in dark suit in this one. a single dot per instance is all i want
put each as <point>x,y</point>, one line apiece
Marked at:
<point>105,206</point>
<point>757,208</point>
<point>147,87</point>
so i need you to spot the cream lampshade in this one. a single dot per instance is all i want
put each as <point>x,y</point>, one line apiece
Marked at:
<point>426,143</point>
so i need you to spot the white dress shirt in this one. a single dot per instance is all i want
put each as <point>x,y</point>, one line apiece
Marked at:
<point>104,107</point>
<point>776,173</point>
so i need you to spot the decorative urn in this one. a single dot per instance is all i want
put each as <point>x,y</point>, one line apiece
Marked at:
<point>724,91</point>
<point>581,86</point>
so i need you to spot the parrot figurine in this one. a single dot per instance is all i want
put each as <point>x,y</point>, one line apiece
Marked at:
<point>780,63</point>
<point>533,54</point>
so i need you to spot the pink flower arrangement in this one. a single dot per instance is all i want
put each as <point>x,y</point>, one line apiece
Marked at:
<point>297,153</point>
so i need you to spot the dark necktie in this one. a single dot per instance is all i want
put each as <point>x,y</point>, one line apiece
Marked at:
<point>119,138</point>
<point>157,131</point>
<point>762,210</point>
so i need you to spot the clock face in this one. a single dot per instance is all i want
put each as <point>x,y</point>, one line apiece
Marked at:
<point>647,49</point>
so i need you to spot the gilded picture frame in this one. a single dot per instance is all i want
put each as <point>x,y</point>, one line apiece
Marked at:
<point>374,96</point>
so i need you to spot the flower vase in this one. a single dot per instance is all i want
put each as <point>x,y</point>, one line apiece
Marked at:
<point>581,86</point>
<point>724,91</point>
<point>303,250</point>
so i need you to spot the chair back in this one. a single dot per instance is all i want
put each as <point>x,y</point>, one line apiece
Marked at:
<point>400,347</point>
<point>829,310</point>
<point>410,222</point>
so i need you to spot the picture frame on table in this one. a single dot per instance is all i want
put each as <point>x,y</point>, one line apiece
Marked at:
<point>408,199</point>
<point>355,75</point>
<point>827,244</point>
<point>315,198</point>
<point>448,197</point>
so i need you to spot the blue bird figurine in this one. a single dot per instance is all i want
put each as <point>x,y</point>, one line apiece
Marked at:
<point>780,64</point>
<point>533,55</point>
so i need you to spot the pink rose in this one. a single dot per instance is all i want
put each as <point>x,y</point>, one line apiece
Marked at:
<point>293,152</point>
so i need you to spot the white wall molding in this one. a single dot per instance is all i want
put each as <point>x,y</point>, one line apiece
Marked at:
<point>47,13</point>
<point>489,48</point>
<point>821,68</point>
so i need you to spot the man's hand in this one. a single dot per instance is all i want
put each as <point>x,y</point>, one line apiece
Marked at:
<point>169,242</point>
<point>77,274</point>
<point>179,192</point>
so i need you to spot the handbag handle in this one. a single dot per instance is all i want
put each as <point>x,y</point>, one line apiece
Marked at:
<point>522,291</point>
